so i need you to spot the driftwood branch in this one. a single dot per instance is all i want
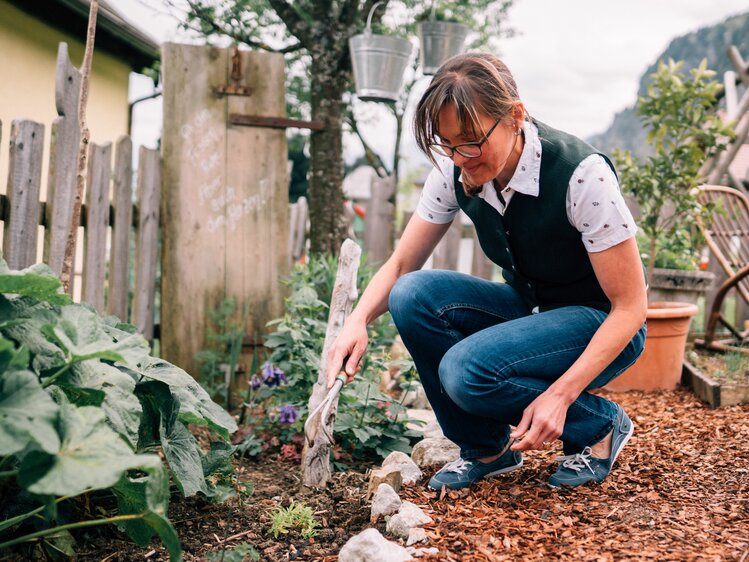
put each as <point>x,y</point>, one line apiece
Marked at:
<point>67,263</point>
<point>316,458</point>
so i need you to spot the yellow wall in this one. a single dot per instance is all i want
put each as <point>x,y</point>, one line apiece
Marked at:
<point>28,55</point>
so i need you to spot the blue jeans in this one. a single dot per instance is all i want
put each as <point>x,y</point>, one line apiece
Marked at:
<point>483,357</point>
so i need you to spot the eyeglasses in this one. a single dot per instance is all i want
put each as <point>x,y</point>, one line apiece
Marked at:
<point>466,149</point>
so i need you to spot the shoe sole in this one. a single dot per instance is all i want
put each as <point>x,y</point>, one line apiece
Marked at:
<point>616,456</point>
<point>495,473</point>
<point>504,470</point>
<point>624,442</point>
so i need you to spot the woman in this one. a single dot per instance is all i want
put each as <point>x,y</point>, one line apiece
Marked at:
<point>570,317</point>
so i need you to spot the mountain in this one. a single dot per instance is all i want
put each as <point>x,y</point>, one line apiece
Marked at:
<point>712,43</point>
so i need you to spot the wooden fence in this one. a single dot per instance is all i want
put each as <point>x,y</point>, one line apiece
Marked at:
<point>109,222</point>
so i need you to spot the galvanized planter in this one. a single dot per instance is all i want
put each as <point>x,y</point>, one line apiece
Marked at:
<point>439,41</point>
<point>379,62</point>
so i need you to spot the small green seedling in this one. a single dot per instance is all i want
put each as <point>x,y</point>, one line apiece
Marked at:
<point>296,516</point>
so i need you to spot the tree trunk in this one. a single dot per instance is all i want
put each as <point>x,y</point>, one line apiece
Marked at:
<point>327,228</point>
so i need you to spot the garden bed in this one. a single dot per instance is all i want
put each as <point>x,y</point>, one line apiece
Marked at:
<point>720,379</point>
<point>679,492</point>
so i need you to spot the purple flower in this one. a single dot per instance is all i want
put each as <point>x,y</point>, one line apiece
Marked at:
<point>255,382</point>
<point>273,376</point>
<point>288,414</point>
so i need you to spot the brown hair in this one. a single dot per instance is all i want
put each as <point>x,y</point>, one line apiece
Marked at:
<point>474,82</point>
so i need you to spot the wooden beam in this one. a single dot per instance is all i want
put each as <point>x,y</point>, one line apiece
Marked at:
<point>273,122</point>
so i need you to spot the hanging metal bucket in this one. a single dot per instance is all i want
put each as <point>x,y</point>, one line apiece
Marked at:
<point>439,41</point>
<point>379,62</point>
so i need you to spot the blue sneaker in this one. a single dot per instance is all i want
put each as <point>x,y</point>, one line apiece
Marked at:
<point>461,473</point>
<point>583,467</point>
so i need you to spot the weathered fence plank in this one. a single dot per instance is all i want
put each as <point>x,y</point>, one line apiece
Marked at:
<point>65,138</point>
<point>24,182</point>
<point>122,199</point>
<point>448,249</point>
<point>149,183</point>
<point>481,266</point>
<point>298,228</point>
<point>225,195</point>
<point>378,224</point>
<point>97,221</point>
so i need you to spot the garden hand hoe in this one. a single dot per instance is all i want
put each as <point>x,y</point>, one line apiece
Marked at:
<point>324,411</point>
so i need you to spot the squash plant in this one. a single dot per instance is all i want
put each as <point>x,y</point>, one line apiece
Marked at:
<point>84,407</point>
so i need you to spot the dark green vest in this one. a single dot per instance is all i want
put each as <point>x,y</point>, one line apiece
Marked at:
<point>541,254</point>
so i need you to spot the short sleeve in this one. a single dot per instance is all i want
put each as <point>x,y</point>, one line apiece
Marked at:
<point>438,203</point>
<point>596,206</point>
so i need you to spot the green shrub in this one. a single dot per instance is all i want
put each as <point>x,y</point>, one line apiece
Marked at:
<point>84,406</point>
<point>364,426</point>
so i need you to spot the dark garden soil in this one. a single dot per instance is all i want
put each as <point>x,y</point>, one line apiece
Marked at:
<point>725,368</point>
<point>679,491</point>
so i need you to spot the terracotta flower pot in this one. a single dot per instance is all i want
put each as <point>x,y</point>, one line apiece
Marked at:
<point>659,366</point>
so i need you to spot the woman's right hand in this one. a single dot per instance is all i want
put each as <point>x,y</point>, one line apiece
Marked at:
<point>349,346</point>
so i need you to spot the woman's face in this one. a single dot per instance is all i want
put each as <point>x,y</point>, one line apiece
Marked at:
<point>499,153</point>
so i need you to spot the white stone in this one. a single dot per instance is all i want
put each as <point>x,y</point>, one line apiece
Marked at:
<point>410,473</point>
<point>434,451</point>
<point>430,427</point>
<point>385,501</point>
<point>409,516</point>
<point>419,552</point>
<point>371,546</point>
<point>417,534</point>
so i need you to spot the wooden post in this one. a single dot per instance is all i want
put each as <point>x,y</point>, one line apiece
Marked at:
<point>97,221</point>
<point>65,138</point>
<point>225,195</point>
<point>146,243</point>
<point>24,181</point>
<point>298,228</point>
<point>447,250</point>
<point>481,266</point>
<point>378,227</point>
<point>316,459</point>
<point>122,198</point>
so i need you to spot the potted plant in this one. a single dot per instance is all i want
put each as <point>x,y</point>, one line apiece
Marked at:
<point>684,130</point>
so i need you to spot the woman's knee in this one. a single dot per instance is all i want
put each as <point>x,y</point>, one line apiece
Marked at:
<point>455,373</point>
<point>404,295</point>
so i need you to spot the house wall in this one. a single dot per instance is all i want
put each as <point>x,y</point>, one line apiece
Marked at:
<point>28,56</point>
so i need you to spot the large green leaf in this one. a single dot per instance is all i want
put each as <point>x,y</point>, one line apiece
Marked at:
<point>179,445</point>
<point>12,359</point>
<point>120,404</point>
<point>38,282</point>
<point>27,414</point>
<point>149,496</point>
<point>80,332</point>
<point>26,319</point>
<point>195,406</point>
<point>91,456</point>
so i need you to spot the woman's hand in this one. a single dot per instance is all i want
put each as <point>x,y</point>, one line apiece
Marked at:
<point>542,422</point>
<point>349,346</point>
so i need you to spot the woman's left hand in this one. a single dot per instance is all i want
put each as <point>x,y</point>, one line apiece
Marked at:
<point>542,422</point>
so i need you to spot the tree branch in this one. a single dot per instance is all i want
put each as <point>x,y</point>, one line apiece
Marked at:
<point>294,20</point>
<point>67,262</point>
<point>372,157</point>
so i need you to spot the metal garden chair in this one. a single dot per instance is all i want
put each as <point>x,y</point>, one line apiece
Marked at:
<point>727,235</point>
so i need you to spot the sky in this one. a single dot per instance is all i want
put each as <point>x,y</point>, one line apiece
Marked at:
<point>576,62</point>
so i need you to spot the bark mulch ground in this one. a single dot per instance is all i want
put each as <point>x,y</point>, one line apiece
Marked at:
<point>679,491</point>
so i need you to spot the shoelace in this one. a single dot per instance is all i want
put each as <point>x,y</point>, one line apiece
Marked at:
<point>458,466</point>
<point>578,461</point>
